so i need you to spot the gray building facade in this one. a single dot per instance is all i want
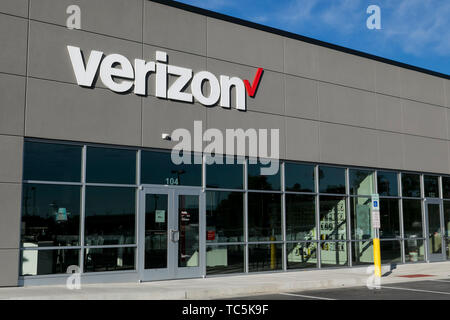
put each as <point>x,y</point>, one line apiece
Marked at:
<point>335,109</point>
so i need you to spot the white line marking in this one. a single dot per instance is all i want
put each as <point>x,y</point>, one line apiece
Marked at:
<point>304,296</point>
<point>417,290</point>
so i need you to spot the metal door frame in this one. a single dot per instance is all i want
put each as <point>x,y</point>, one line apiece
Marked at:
<point>429,256</point>
<point>172,271</point>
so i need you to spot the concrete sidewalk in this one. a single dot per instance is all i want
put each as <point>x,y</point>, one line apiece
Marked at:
<point>231,286</point>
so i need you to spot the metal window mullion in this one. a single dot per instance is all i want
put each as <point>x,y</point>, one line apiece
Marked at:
<point>401,221</point>
<point>246,250</point>
<point>317,199</point>
<point>83,207</point>
<point>348,215</point>
<point>422,207</point>
<point>137,211</point>
<point>283,218</point>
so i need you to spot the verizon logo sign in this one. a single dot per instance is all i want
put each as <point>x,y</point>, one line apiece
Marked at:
<point>120,75</point>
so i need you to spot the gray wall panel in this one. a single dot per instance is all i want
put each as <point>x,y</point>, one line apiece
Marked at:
<point>302,139</point>
<point>387,79</point>
<point>346,105</point>
<point>338,67</point>
<point>270,94</point>
<point>12,104</point>
<point>13,39</point>
<point>15,7</point>
<point>447,92</point>
<point>174,28</point>
<point>389,113</point>
<point>118,18</point>
<point>49,58</point>
<point>244,45</point>
<point>422,87</point>
<point>9,265</point>
<point>10,198</point>
<point>11,158</point>
<point>163,116</point>
<point>347,145</point>
<point>65,111</point>
<point>426,154</point>
<point>390,150</point>
<point>424,120</point>
<point>301,97</point>
<point>300,58</point>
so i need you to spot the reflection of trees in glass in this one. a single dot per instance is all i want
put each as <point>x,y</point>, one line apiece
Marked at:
<point>332,180</point>
<point>259,183</point>
<point>264,218</point>
<point>224,211</point>
<point>411,185</point>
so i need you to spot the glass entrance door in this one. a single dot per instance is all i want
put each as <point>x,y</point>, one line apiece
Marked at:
<point>434,218</point>
<point>170,224</point>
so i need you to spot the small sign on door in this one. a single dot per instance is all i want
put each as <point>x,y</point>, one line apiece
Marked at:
<point>160,216</point>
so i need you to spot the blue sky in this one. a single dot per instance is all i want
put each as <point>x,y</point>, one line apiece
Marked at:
<point>416,32</point>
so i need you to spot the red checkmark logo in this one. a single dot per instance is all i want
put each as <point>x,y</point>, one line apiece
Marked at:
<point>251,89</point>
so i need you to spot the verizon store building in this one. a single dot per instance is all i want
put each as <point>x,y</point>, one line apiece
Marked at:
<point>87,180</point>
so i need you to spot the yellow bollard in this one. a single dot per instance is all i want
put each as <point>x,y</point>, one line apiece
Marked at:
<point>377,257</point>
<point>273,254</point>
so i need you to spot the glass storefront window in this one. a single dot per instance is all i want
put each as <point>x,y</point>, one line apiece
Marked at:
<point>301,255</point>
<point>105,165</point>
<point>224,259</point>
<point>109,259</point>
<point>258,181</point>
<point>333,254</point>
<point>264,216</point>
<point>299,177</point>
<point>389,218</point>
<point>446,187</point>
<point>447,218</point>
<point>158,168</point>
<point>331,180</point>
<point>225,176</point>
<point>362,252</point>
<point>51,162</point>
<point>50,215</point>
<point>431,185</point>
<point>387,183</point>
<point>333,219</point>
<point>360,222</point>
<point>414,250</point>
<point>411,185</point>
<point>110,216</point>
<point>412,218</point>
<point>391,251</point>
<point>224,216</point>
<point>264,257</point>
<point>42,262</point>
<point>361,182</point>
<point>300,217</point>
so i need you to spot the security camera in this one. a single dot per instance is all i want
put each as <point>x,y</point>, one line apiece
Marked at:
<point>166,136</point>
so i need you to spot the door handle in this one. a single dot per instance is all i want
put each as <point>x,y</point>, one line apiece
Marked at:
<point>174,235</point>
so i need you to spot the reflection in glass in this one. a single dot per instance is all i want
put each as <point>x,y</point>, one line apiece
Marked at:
<point>109,259</point>
<point>264,257</point>
<point>387,183</point>
<point>104,165</point>
<point>51,162</point>
<point>333,219</point>
<point>299,177</point>
<point>447,218</point>
<point>361,182</point>
<point>50,215</point>
<point>110,216</point>
<point>389,218</point>
<point>390,251</point>
<point>361,225</point>
<point>331,180</point>
<point>434,229</point>
<point>446,187</point>
<point>226,176</point>
<point>301,255</point>
<point>333,254</point>
<point>410,185</point>
<point>431,184</point>
<point>362,252</point>
<point>188,225</point>
<point>414,250</point>
<point>300,217</point>
<point>224,216</point>
<point>412,218</point>
<point>158,168</point>
<point>257,181</point>
<point>264,216</point>
<point>156,216</point>
<point>41,262</point>
<point>224,259</point>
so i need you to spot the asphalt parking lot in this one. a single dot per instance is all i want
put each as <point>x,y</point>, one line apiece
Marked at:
<point>436,289</point>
